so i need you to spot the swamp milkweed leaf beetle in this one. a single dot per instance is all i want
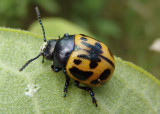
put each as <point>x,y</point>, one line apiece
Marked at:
<point>81,58</point>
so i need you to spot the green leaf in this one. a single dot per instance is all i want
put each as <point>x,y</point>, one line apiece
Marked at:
<point>38,89</point>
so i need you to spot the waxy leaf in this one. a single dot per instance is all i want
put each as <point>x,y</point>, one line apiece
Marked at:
<point>37,89</point>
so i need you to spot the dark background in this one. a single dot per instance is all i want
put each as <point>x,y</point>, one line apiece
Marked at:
<point>128,27</point>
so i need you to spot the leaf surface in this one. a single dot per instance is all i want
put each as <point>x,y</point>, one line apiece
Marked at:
<point>131,89</point>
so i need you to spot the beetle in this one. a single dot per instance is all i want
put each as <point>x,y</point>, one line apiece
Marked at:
<point>81,58</point>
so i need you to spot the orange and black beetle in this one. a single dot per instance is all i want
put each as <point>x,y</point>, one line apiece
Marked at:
<point>81,58</point>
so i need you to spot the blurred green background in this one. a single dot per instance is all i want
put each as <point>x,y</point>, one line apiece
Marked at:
<point>128,27</point>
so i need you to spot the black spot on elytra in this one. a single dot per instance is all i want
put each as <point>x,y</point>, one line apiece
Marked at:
<point>91,57</point>
<point>84,39</point>
<point>105,74</point>
<point>98,45</point>
<point>84,35</point>
<point>79,74</point>
<point>94,49</point>
<point>77,61</point>
<point>93,64</point>
<point>94,54</point>
<point>95,82</point>
<point>83,56</point>
<point>109,61</point>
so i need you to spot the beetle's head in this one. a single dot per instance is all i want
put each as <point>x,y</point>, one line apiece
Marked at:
<point>47,49</point>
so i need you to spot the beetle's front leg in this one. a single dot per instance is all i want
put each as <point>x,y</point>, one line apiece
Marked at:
<point>43,59</point>
<point>52,66</point>
<point>55,69</point>
<point>66,83</point>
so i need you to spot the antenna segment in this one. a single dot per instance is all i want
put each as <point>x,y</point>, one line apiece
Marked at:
<point>39,19</point>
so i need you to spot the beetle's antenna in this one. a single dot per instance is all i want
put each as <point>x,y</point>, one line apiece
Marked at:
<point>39,19</point>
<point>30,61</point>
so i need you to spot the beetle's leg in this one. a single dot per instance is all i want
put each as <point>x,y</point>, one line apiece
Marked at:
<point>55,69</point>
<point>89,89</point>
<point>52,66</point>
<point>66,83</point>
<point>43,60</point>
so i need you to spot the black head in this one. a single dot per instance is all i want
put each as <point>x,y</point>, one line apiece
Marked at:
<point>47,48</point>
